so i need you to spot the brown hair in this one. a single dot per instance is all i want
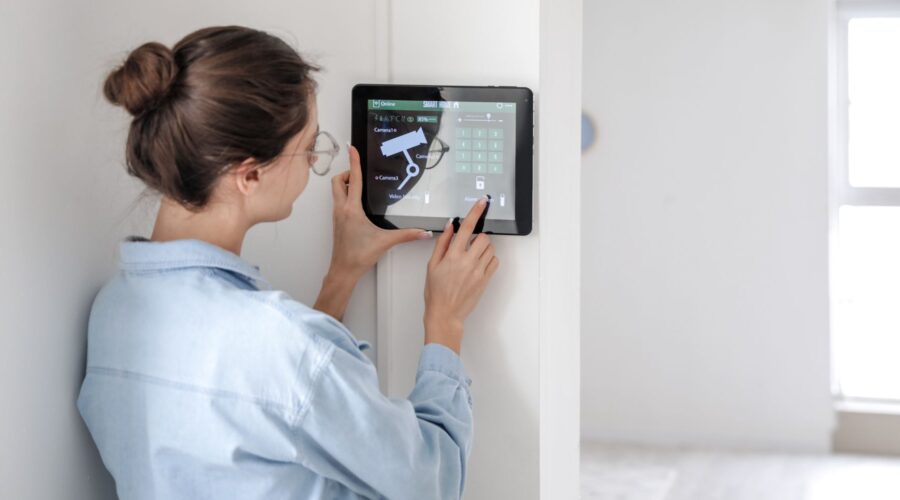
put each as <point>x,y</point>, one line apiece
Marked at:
<point>219,96</point>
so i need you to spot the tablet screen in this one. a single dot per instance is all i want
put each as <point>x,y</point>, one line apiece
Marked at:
<point>428,158</point>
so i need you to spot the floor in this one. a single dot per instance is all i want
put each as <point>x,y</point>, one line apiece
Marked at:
<point>637,473</point>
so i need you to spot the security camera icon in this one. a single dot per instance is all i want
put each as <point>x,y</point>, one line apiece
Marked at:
<point>404,143</point>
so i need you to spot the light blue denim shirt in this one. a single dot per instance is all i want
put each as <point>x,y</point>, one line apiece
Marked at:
<point>201,385</point>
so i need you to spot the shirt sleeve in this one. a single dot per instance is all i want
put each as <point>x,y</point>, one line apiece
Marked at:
<point>413,448</point>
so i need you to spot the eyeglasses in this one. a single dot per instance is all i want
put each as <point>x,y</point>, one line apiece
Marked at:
<point>323,153</point>
<point>325,148</point>
<point>437,148</point>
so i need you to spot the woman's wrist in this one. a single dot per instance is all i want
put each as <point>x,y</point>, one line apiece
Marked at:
<point>445,330</point>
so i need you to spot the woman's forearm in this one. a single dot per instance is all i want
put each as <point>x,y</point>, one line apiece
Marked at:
<point>336,290</point>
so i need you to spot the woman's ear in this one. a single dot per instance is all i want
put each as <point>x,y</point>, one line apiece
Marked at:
<point>246,176</point>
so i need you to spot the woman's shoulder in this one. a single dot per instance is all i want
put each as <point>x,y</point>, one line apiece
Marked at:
<point>250,345</point>
<point>195,305</point>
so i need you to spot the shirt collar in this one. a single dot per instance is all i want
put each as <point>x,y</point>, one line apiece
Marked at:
<point>140,254</point>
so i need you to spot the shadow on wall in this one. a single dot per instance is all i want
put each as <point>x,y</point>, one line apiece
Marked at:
<point>98,480</point>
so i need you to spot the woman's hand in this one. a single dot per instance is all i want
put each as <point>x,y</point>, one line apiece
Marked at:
<point>358,244</point>
<point>458,273</point>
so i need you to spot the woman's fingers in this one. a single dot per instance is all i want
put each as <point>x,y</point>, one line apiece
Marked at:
<point>492,267</point>
<point>467,226</point>
<point>355,190</point>
<point>339,186</point>
<point>442,243</point>
<point>479,245</point>
<point>485,259</point>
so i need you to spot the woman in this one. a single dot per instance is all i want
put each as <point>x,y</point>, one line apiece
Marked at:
<point>202,382</point>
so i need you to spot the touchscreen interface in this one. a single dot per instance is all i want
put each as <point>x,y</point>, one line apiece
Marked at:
<point>436,158</point>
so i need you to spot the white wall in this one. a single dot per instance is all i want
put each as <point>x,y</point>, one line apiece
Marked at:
<point>66,202</point>
<point>521,346</point>
<point>704,307</point>
<point>52,227</point>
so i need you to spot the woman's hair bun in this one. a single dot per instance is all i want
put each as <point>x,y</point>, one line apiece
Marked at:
<point>144,80</point>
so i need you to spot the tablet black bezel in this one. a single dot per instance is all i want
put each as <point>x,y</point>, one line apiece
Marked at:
<point>523,98</point>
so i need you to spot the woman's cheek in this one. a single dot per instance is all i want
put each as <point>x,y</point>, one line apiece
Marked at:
<point>294,184</point>
<point>301,181</point>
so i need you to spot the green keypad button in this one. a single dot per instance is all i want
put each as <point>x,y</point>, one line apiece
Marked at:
<point>479,150</point>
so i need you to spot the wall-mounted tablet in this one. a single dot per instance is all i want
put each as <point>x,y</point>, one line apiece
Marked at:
<point>429,152</point>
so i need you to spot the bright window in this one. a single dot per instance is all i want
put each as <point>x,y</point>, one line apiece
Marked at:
<point>866,208</point>
<point>873,77</point>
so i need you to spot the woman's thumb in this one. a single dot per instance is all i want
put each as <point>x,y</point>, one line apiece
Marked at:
<point>405,235</point>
